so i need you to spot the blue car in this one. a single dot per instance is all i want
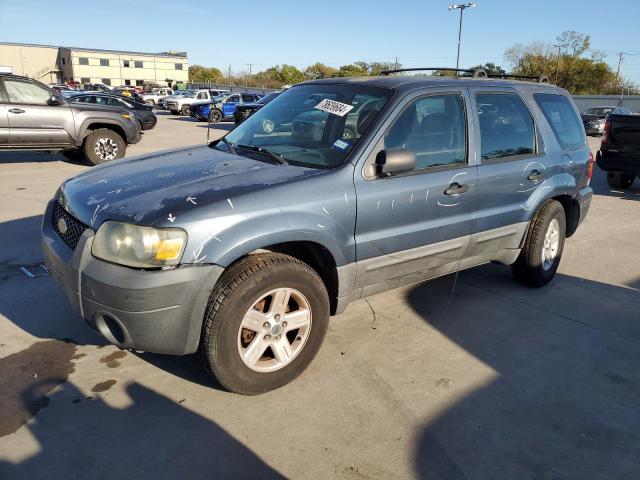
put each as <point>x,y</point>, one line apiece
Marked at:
<point>222,107</point>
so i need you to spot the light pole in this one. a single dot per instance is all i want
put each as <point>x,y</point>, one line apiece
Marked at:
<point>461,7</point>
<point>557,61</point>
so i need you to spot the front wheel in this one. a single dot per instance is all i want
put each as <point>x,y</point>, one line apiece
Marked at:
<point>185,110</point>
<point>620,180</point>
<point>104,145</point>
<point>540,257</point>
<point>266,320</point>
<point>215,115</point>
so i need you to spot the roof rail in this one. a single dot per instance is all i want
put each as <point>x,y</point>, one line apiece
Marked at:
<point>542,78</point>
<point>476,72</point>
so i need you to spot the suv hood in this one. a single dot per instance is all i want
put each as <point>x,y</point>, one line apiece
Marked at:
<point>145,190</point>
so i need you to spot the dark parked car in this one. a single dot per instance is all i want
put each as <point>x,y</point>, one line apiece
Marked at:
<point>143,112</point>
<point>257,239</point>
<point>619,153</point>
<point>593,118</point>
<point>245,110</point>
<point>33,117</point>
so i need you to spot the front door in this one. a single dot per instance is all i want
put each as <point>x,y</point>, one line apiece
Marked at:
<point>417,225</point>
<point>229,105</point>
<point>32,121</point>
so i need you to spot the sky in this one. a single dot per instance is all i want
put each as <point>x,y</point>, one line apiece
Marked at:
<point>335,32</point>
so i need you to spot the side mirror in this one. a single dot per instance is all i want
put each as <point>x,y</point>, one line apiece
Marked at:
<point>391,162</point>
<point>55,101</point>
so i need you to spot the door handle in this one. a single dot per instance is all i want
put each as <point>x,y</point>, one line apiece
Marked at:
<point>535,176</point>
<point>16,110</point>
<point>456,189</point>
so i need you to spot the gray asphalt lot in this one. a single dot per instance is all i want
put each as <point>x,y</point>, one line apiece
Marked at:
<point>465,377</point>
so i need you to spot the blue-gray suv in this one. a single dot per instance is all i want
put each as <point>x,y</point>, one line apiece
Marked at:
<point>241,250</point>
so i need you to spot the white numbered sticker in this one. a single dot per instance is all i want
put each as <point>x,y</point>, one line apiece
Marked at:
<point>336,108</point>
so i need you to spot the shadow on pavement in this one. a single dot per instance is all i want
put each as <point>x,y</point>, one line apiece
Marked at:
<point>152,437</point>
<point>601,187</point>
<point>562,402</point>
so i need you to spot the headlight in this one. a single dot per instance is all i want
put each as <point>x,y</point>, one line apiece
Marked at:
<point>140,247</point>
<point>128,116</point>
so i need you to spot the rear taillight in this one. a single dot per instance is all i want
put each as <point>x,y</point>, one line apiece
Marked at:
<point>607,130</point>
<point>590,164</point>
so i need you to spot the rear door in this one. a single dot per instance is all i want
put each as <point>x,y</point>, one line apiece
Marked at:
<point>32,121</point>
<point>413,226</point>
<point>512,168</point>
<point>229,106</point>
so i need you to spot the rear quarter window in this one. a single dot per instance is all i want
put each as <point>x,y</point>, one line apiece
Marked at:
<point>562,118</point>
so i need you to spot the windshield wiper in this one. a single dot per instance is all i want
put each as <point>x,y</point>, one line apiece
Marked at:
<point>229,145</point>
<point>265,152</point>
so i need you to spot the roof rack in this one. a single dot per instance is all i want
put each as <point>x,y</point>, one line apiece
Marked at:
<point>476,72</point>
<point>542,78</point>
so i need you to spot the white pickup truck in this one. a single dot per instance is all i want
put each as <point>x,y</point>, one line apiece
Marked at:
<point>154,97</point>
<point>179,104</point>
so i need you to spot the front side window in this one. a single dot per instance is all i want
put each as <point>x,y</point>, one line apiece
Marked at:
<point>201,95</point>
<point>564,121</point>
<point>111,102</point>
<point>506,126</point>
<point>83,61</point>
<point>315,126</point>
<point>104,62</point>
<point>26,92</point>
<point>233,99</point>
<point>81,99</point>
<point>434,128</point>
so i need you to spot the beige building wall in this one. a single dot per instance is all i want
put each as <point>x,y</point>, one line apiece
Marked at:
<point>87,66</point>
<point>34,61</point>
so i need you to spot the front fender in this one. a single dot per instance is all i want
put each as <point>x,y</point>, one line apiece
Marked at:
<point>222,241</point>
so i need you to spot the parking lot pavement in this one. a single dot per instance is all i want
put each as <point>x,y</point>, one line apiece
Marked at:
<point>467,376</point>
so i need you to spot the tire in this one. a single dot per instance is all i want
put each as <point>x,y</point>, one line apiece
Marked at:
<point>234,296</point>
<point>530,268</point>
<point>215,115</point>
<point>620,180</point>
<point>104,145</point>
<point>185,110</point>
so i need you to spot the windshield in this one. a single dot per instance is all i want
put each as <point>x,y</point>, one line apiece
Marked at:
<point>311,125</point>
<point>268,97</point>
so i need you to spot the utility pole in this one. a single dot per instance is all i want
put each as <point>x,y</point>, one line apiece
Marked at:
<point>395,66</point>
<point>557,62</point>
<point>620,60</point>
<point>229,74</point>
<point>250,65</point>
<point>460,7</point>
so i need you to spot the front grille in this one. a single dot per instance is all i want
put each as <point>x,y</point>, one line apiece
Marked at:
<point>74,228</point>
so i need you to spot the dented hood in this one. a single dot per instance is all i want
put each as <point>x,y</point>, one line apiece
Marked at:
<point>154,189</point>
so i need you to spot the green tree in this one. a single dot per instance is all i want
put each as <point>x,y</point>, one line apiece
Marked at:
<point>320,70</point>
<point>490,68</point>
<point>200,74</point>
<point>577,67</point>
<point>280,75</point>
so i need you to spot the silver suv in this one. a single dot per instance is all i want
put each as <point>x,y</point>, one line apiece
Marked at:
<point>243,249</point>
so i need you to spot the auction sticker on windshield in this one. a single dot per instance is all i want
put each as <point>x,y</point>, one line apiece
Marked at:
<point>336,108</point>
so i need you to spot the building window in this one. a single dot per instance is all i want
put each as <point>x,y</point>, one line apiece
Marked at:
<point>84,80</point>
<point>178,66</point>
<point>139,83</point>
<point>83,61</point>
<point>104,62</point>
<point>126,63</point>
<point>127,82</point>
<point>63,61</point>
<point>138,64</point>
<point>106,81</point>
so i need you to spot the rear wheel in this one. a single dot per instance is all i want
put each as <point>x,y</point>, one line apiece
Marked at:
<point>539,259</point>
<point>185,110</point>
<point>215,115</point>
<point>620,180</point>
<point>265,322</point>
<point>103,145</point>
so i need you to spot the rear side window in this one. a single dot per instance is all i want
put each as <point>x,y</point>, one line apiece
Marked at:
<point>506,126</point>
<point>563,119</point>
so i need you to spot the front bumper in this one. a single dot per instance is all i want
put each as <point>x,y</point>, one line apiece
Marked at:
<point>155,311</point>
